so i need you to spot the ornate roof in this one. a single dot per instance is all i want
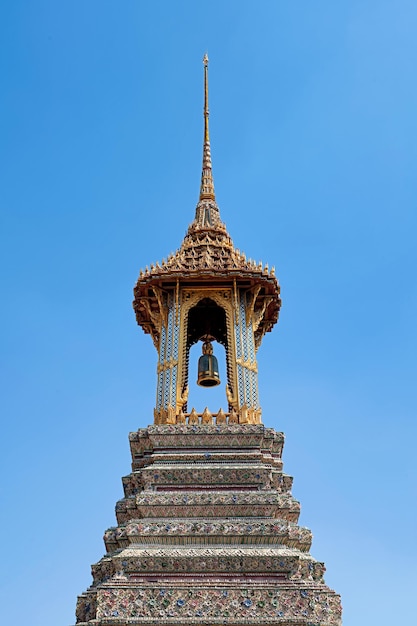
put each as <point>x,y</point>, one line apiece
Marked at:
<point>207,255</point>
<point>207,249</point>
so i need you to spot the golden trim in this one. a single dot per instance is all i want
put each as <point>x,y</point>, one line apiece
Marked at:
<point>166,365</point>
<point>232,399</point>
<point>163,309</point>
<point>177,301</point>
<point>258,315</point>
<point>236,302</point>
<point>155,327</point>
<point>250,306</point>
<point>181,398</point>
<point>248,364</point>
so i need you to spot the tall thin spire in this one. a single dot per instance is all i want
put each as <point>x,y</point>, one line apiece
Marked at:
<point>207,183</point>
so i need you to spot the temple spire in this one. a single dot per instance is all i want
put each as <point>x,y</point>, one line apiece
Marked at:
<point>207,183</point>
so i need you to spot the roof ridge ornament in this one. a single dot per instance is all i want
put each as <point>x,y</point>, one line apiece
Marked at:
<point>207,182</point>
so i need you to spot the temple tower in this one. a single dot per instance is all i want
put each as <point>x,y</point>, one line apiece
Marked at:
<point>207,530</point>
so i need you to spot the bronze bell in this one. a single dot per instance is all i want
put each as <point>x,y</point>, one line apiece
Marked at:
<point>208,367</point>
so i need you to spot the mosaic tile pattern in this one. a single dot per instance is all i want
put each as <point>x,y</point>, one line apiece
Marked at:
<point>208,535</point>
<point>158,476</point>
<point>253,531</point>
<point>310,606</point>
<point>237,560</point>
<point>209,504</point>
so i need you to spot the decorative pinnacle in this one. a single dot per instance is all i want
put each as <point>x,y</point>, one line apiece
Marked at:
<point>207,183</point>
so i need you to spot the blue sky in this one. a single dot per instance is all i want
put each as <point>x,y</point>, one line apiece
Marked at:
<point>313,128</point>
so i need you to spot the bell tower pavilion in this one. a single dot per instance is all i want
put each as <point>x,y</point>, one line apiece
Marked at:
<point>208,291</point>
<point>207,529</point>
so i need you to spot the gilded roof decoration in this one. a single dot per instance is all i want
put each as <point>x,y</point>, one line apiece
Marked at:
<point>207,254</point>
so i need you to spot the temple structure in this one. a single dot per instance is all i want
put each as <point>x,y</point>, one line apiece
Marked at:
<point>207,529</point>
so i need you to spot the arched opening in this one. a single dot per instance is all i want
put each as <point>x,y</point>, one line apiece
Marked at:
<point>206,319</point>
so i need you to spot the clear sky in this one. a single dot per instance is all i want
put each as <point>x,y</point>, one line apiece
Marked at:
<point>313,127</point>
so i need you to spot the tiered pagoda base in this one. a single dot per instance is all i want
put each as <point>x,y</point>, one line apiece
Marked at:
<point>207,534</point>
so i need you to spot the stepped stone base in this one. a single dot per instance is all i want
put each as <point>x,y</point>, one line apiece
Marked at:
<point>207,534</point>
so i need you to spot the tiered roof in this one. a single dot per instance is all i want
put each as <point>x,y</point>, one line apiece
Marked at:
<point>207,254</point>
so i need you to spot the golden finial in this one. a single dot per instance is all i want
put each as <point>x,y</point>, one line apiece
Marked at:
<point>207,183</point>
